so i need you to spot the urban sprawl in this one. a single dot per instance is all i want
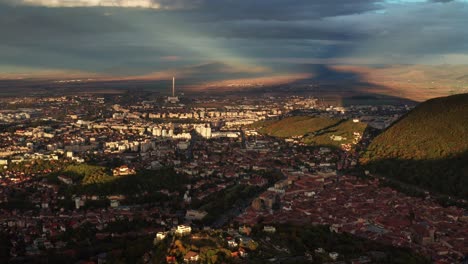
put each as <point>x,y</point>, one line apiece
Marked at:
<point>172,166</point>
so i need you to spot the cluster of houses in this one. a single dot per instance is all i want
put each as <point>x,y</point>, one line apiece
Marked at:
<point>363,208</point>
<point>219,156</point>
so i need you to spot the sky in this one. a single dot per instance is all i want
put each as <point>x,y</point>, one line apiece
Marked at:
<point>159,38</point>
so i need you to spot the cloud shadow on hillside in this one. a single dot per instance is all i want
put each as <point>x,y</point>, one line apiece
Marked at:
<point>447,176</point>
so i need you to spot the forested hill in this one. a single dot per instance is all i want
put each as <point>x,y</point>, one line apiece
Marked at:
<point>427,147</point>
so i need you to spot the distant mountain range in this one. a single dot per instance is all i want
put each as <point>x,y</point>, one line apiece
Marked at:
<point>413,82</point>
<point>427,147</point>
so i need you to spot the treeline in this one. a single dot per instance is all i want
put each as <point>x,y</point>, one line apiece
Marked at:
<point>90,179</point>
<point>34,166</point>
<point>219,203</point>
<point>146,181</point>
<point>448,176</point>
<point>88,174</point>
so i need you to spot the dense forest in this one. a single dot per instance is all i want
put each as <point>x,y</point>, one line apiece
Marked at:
<point>300,240</point>
<point>427,147</point>
<point>90,179</point>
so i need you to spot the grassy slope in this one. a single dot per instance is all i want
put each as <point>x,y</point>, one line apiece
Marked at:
<point>316,130</point>
<point>344,129</point>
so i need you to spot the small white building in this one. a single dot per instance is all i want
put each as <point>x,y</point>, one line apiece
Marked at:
<point>233,244</point>
<point>123,171</point>
<point>114,203</point>
<point>333,255</point>
<point>161,235</point>
<point>65,179</point>
<point>191,256</point>
<point>183,230</point>
<point>269,229</point>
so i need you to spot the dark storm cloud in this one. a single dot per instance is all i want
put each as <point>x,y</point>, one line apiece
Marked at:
<point>281,9</point>
<point>442,1</point>
<point>35,24</point>
<point>89,38</point>
<point>416,34</point>
<point>317,30</point>
<point>116,39</point>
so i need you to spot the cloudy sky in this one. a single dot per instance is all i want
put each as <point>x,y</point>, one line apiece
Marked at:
<point>159,37</point>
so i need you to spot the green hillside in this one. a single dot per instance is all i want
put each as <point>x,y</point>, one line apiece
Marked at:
<point>344,129</point>
<point>295,126</point>
<point>312,130</point>
<point>427,147</point>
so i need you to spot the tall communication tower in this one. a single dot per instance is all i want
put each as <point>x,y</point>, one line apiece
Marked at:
<point>173,99</point>
<point>173,86</point>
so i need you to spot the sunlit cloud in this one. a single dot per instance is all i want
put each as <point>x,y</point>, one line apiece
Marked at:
<point>12,72</point>
<point>152,4</point>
